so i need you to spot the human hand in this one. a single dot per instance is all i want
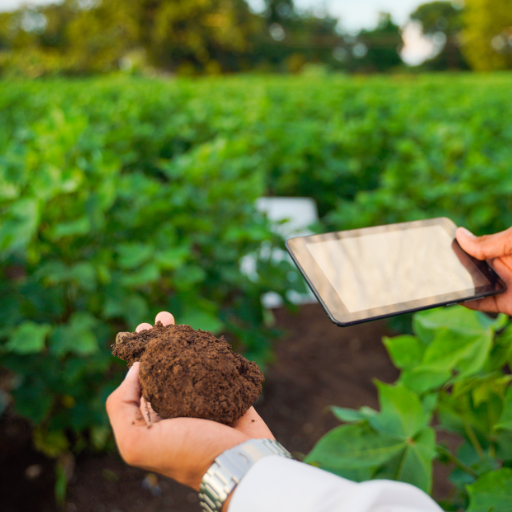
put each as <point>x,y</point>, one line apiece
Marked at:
<point>497,249</point>
<point>180,448</point>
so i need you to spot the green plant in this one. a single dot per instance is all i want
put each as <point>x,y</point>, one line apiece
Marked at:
<point>122,196</point>
<point>104,222</point>
<point>455,377</point>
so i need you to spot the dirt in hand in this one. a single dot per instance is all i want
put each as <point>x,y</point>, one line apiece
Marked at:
<point>189,373</point>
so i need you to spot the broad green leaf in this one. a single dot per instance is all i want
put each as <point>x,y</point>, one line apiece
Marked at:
<point>491,492</point>
<point>414,464</point>
<point>76,336</point>
<point>401,412</point>
<point>19,224</point>
<point>28,338</point>
<point>132,255</point>
<point>352,415</point>
<point>465,351</point>
<point>425,378</point>
<point>405,351</point>
<point>147,274</point>
<point>497,323</point>
<point>354,447</point>
<point>84,274</point>
<point>426,324</point>
<point>505,421</point>
<point>172,258</point>
<point>501,351</point>
<point>80,226</point>
<point>33,399</point>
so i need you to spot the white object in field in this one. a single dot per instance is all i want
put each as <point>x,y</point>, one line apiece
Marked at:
<point>289,216</point>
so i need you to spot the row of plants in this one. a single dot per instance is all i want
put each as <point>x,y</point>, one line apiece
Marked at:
<point>121,197</point>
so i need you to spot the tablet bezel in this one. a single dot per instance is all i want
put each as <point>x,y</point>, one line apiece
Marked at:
<point>334,306</point>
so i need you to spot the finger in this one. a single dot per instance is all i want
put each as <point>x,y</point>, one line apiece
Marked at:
<point>123,405</point>
<point>253,426</point>
<point>143,327</point>
<point>501,303</point>
<point>487,304</point>
<point>165,318</point>
<point>485,247</point>
<point>149,414</point>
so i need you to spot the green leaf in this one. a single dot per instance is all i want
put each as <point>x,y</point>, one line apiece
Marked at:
<point>505,421</point>
<point>465,351</point>
<point>354,447</point>
<point>501,351</point>
<point>414,464</point>
<point>76,337</point>
<point>425,378</point>
<point>402,413</point>
<point>491,492</point>
<point>19,224</point>
<point>28,338</point>
<point>405,351</point>
<point>497,323</point>
<point>426,324</point>
<point>84,274</point>
<point>351,415</point>
<point>172,258</point>
<point>147,274</point>
<point>33,399</point>
<point>132,255</point>
<point>80,226</point>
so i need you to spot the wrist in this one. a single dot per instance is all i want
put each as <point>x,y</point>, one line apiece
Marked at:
<point>230,467</point>
<point>227,502</point>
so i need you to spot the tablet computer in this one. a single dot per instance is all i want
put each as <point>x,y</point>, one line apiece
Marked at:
<point>366,274</point>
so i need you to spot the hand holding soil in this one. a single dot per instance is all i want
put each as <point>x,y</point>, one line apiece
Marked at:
<point>181,448</point>
<point>189,373</point>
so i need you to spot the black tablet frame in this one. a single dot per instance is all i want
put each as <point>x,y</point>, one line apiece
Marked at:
<point>334,306</point>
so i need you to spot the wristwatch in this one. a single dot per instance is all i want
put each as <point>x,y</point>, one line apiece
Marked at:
<point>230,467</point>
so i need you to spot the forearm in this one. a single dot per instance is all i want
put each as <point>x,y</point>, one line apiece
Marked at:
<point>275,484</point>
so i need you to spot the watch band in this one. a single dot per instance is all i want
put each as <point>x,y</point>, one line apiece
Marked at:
<point>230,467</point>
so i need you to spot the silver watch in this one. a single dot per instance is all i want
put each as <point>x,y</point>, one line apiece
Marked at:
<point>230,467</point>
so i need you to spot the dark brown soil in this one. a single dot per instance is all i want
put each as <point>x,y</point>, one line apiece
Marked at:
<point>317,365</point>
<point>189,373</point>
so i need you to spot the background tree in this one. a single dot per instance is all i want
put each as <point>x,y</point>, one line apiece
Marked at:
<point>378,50</point>
<point>488,34</point>
<point>442,22</point>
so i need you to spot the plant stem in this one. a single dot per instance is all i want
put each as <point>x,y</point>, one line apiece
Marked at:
<point>446,453</point>
<point>474,440</point>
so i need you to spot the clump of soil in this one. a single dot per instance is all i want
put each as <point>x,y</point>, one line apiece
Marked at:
<point>189,373</point>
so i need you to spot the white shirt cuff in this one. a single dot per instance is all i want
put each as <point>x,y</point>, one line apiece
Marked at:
<point>277,484</point>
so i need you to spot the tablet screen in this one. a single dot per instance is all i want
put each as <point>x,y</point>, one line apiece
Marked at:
<point>381,269</point>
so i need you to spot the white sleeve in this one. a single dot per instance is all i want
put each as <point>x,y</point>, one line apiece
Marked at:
<point>277,484</point>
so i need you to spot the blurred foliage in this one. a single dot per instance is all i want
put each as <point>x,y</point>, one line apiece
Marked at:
<point>378,50</point>
<point>456,368</point>
<point>488,34</point>
<point>186,38</point>
<point>123,197</point>
<point>442,23</point>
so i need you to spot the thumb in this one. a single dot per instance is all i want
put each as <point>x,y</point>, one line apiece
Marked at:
<point>485,247</point>
<point>123,405</point>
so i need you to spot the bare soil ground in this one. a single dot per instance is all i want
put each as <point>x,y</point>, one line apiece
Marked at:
<point>318,364</point>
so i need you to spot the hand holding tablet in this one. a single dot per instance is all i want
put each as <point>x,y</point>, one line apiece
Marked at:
<point>371,273</point>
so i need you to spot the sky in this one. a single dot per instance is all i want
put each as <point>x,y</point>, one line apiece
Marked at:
<point>353,14</point>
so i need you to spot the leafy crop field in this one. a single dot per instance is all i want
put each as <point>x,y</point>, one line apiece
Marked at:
<point>121,196</point>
